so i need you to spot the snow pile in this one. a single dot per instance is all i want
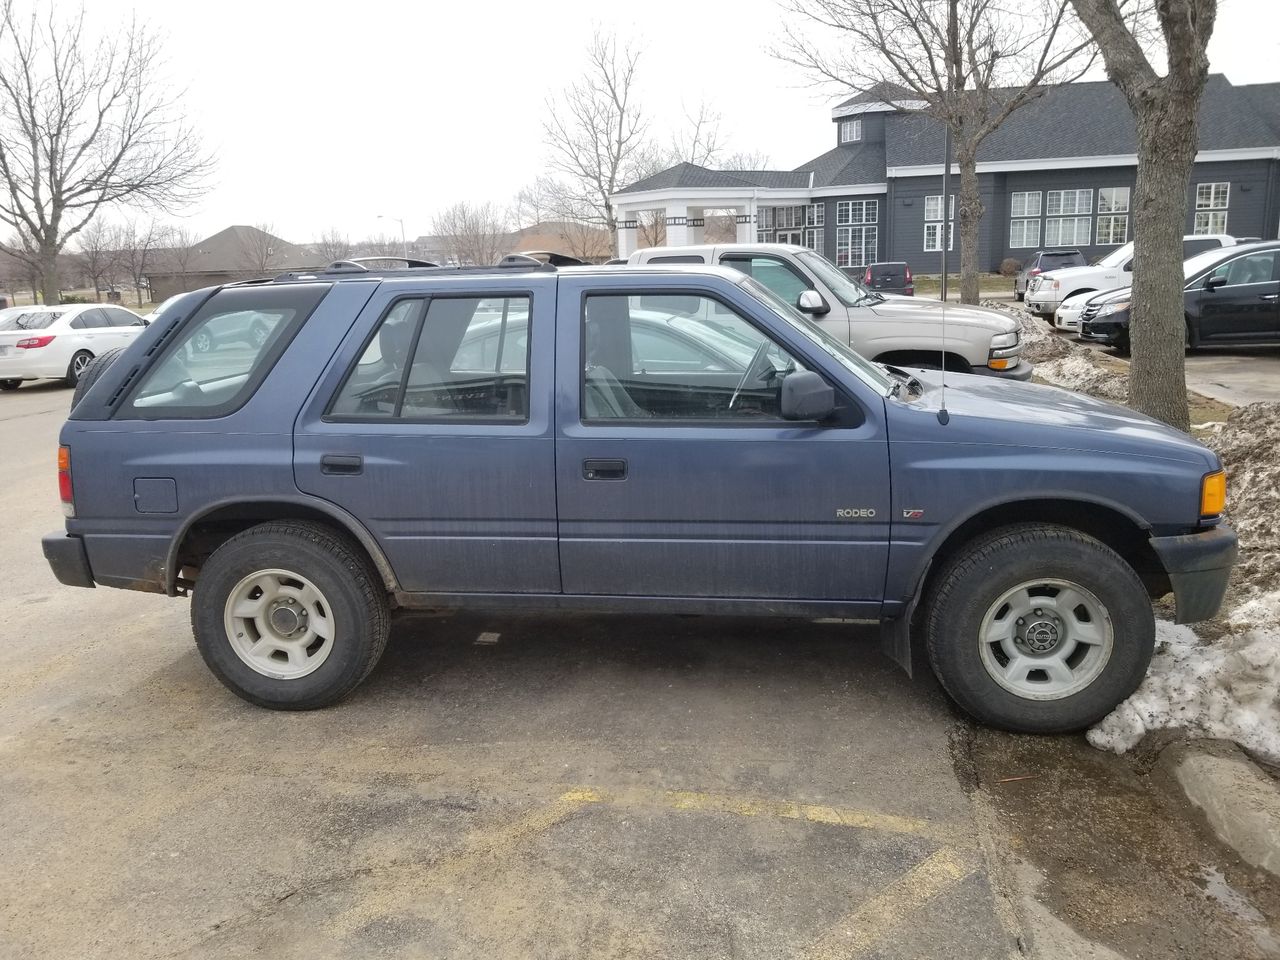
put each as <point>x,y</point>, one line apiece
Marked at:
<point>1082,372</point>
<point>1228,690</point>
<point>1249,445</point>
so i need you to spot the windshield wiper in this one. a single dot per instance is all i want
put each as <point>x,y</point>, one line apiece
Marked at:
<point>914,385</point>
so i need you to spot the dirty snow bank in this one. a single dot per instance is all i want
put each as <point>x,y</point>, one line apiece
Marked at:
<point>1230,688</point>
<point>1064,362</point>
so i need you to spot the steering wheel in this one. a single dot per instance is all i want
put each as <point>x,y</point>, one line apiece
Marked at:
<point>751,373</point>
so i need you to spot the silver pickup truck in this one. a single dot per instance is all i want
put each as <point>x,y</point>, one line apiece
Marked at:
<point>904,331</point>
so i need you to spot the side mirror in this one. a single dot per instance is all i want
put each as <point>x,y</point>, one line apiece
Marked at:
<point>1214,281</point>
<point>806,396</point>
<point>1128,267</point>
<point>810,301</point>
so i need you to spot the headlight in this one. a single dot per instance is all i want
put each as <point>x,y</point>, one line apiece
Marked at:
<point>1004,340</point>
<point>1110,308</point>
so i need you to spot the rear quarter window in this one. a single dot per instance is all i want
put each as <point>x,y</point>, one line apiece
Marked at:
<point>223,352</point>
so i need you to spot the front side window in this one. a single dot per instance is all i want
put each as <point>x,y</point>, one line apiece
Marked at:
<point>677,357</point>
<point>772,272</point>
<point>450,358</point>
<point>1255,268</point>
<point>850,131</point>
<point>224,351</point>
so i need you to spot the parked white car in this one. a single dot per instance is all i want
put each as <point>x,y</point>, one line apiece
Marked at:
<point>905,331</point>
<point>57,343</point>
<point>1067,316</point>
<point>1048,291</point>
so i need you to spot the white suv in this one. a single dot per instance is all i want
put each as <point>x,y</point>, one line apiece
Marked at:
<point>1049,290</point>
<point>906,331</point>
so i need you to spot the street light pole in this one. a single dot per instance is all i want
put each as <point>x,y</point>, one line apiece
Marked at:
<point>404,244</point>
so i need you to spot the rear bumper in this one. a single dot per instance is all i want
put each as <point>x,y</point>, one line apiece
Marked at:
<point>68,559</point>
<point>1042,306</point>
<point>1020,371</point>
<point>1199,566</point>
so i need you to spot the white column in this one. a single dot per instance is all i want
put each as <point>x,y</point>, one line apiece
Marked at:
<point>697,225</point>
<point>677,226</point>
<point>746,225</point>
<point>626,233</point>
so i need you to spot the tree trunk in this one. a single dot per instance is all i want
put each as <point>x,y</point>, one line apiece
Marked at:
<point>1157,326</point>
<point>969,212</point>
<point>49,276</point>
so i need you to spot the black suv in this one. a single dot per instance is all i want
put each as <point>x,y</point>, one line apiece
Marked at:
<point>1042,261</point>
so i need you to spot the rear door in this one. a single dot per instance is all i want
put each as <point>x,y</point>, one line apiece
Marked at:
<point>1247,304</point>
<point>432,426</point>
<point>689,484</point>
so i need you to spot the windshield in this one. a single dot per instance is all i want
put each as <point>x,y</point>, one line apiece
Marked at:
<point>30,321</point>
<point>1118,256</point>
<point>852,361</point>
<point>847,291</point>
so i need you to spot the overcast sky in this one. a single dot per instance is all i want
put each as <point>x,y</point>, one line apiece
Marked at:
<point>328,114</point>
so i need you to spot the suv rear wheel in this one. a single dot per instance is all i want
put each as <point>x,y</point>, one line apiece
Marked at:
<point>290,615</point>
<point>1039,628</point>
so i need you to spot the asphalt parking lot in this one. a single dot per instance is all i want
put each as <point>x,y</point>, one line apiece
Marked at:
<point>551,787</point>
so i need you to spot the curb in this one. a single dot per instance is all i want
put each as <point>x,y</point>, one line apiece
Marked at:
<point>1239,800</point>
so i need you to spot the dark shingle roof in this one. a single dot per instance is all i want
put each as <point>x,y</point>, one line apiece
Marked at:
<point>1230,117</point>
<point>880,93</point>
<point>863,163</point>
<point>691,175</point>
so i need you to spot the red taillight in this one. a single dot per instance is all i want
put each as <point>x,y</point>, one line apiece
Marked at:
<point>32,342</point>
<point>867,279</point>
<point>908,276</point>
<point>1034,272</point>
<point>64,481</point>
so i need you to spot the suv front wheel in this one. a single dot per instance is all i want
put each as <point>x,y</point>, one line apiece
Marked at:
<point>1038,628</point>
<point>290,615</point>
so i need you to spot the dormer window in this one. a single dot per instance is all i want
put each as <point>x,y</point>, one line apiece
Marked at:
<point>850,131</point>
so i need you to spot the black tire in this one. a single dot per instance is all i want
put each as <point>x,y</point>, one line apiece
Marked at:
<point>350,586</point>
<point>97,366</point>
<point>81,358</point>
<point>977,577</point>
<point>10,384</point>
<point>1192,338</point>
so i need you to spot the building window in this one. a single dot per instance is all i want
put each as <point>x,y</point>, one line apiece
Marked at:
<point>1113,200</point>
<point>1211,207</point>
<point>933,231</point>
<point>1025,204</point>
<point>815,215</point>
<point>857,233</point>
<point>1024,233</point>
<point>850,131</point>
<point>764,218</point>
<point>764,236</point>
<point>1067,231</point>
<point>1064,203</point>
<point>813,239</point>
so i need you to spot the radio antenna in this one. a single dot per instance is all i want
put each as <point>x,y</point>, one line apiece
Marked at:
<point>945,244</point>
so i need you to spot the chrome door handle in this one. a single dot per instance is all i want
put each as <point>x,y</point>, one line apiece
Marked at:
<point>1269,296</point>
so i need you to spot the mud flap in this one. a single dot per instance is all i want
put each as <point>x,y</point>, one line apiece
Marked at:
<point>895,638</point>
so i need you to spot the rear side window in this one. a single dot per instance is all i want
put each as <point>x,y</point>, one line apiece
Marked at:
<point>449,358</point>
<point>223,352</point>
<point>1191,247</point>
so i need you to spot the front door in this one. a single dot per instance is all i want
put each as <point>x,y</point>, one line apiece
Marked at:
<point>433,427</point>
<point>1247,304</point>
<point>677,476</point>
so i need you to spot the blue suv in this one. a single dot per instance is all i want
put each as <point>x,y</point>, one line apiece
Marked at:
<point>624,440</point>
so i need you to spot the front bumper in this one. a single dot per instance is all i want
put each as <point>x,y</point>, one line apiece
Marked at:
<point>1019,371</point>
<point>1105,331</point>
<point>68,559</point>
<point>1199,566</point>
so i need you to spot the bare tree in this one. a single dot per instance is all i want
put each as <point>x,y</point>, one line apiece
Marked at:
<point>651,228</point>
<point>99,254</point>
<point>1165,108</point>
<point>378,245</point>
<point>699,142</point>
<point>472,235</point>
<point>85,121</point>
<point>138,245</point>
<point>969,64</point>
<point>332,245</point>
<point>179,253</point>
<point>596,132</point>
<point>260,250</point>
<point>746,160</point>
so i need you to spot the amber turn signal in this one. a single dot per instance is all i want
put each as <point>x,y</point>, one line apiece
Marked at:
<point>1001,364</point>
<point>1213,494</point>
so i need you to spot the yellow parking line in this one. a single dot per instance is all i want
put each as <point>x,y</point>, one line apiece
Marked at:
<point>479,847</point>
<point>784,809</point>
<point>874,919</point>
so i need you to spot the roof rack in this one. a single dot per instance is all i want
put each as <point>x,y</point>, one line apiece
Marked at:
<point>549,257</point>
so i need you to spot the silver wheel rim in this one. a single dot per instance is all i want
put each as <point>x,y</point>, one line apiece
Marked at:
<point>202,342</point>
<point>79,363</point>
<point>259,335</point>
<point>279,624</point>
<point>1046,639</point>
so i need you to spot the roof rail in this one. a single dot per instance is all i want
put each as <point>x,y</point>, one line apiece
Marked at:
<point>361,261</point>
<point>548,257</point>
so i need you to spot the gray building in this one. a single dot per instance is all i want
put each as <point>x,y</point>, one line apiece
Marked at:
<point>1059,173</point>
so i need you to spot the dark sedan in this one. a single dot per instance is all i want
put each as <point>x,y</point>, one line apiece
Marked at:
<point>1232,296</point>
